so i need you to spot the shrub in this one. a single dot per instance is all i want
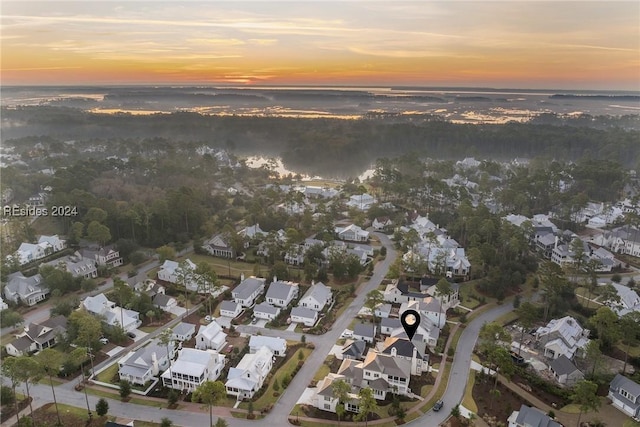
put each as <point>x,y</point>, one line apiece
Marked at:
<point>125,389</point>
<point>102,407</point>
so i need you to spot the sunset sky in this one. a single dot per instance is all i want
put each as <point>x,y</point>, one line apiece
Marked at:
<point>507,44</point>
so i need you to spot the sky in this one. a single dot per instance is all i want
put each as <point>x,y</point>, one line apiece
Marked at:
<point>502,44</point>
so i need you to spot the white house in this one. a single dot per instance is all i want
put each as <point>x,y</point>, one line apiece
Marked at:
<point>317,297</point>
<point>248,290</point>
<point>403,348</point>
<point>28,252</point>
<point>364,332</point>
<point>230,309</point>
<point>218,246</point>
<point>144,364</point>
<point>183,331</point>
<point>165,302</point>
<point>563,336</point>
<point>625,395</point>
<point>192,368</point>
<point>382,310</point>
<point>629,300</point>
<point>564,371</point>
<point>528,417</point>
<point>381,223</point>
<point>306,316</point>
<point>53,242</point>
<point>429,308</point>
<point>170,272</point>
<point>111,314</point>
<point>28,290</point>
<point>265,311</point>
<point>77,265</point>
<point>381,372</point>
<point>3,305</point>
<point>278,346</point>
<point>352,233</point>
<point>361,201</point>
<point>281,293</point>
<point>211,336</point>
<point>248,376</point>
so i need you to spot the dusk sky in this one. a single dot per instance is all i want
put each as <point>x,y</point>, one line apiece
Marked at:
<point>506,44</point>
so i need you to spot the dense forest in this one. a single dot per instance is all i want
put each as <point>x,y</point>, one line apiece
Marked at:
<point>341,147</point>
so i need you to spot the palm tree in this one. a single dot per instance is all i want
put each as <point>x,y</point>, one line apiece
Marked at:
<point>50,361</point>
<point>210,392</point>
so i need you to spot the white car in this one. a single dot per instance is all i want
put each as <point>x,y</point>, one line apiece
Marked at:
<point>104,341</point>
<point>208,318</point>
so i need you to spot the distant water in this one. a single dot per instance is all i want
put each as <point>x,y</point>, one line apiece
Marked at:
<point>460,105</point>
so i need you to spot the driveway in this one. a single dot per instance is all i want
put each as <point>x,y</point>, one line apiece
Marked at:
<point>225,322</point>
<point>139,335</point>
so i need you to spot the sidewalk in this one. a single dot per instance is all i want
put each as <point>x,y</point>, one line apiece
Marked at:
<point>26,412</point>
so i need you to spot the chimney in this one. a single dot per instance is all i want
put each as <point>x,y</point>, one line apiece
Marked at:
<point>275,278</point>
<point>555,246</point>
<point>394,352</point>
<point>154,360</point>
<point>241,277</point>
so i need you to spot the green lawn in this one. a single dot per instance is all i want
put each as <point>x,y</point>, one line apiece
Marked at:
<point>467,400</point>
<point>226,267</point>
<point>507,318</point>
<point>425,407</point>
<point>136,400</point>
<point>108,374</point>
<point>324,369</point>
<point>148,329</point>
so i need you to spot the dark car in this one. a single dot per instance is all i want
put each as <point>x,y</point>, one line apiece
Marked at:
<point>439,404</point>
<point>131,335</point>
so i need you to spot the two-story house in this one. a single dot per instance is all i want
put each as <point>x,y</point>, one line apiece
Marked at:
<point>25,290</point>
<point>563,336</point>
<point>145,364</point>
<point>192,368</point>
<point>38,336</point>
<point>530,417</point>
<point>211,336</point>
<point>248,290</point>
<point>316,297</point>
<point>248,376</point>
<point>281,293</point>
<point>625,395</point>
<point>278,346</point>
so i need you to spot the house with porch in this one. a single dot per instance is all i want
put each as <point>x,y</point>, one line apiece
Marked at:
<point>248,290</point>
<point>25,290</point>
<point>281,293</point>
<point>230,309</point>
<point>278,346</point>
<point>218,246</point>
<point>317,297</point>
<point>265,311</point>
<point>306,316</point>
<point>248,376</point>
<point>38,336</point>
<point>352,233</point>
<point>563,336</point>
<point>77,265</point>
<point>183,332</point>
<point>192,368</point>
<point>145,364</point>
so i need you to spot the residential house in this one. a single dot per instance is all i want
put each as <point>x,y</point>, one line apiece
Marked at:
<point>38,336</point>
<point>77,265</point>
<point>381,223</point>
<point>145,364</point>
<point>400,292</point>
<point>148,287</point>
<point>365,332</point>
<point>564,371</point>
<point>452,300</point>
<point>354,349</point>
<point>625,395</point>
<point>211,336</point>
<point>361,201</point>
<point>278,346</point>
<point>165,302</point>
<point>265,311</point>
<point>219,246</point>
<point>281,293</point>
<point>25,290</point>
<point>563,336</point>
<point>531,417</point>
<point>429,308</point>
<point>629,300</point>
<point>230,309</point>
<point>248,290</point>
<point>47,245</point>
<point>324,398</point>
<point>183,332</point>
<point>388,325</point>
<point>111,314</point>
<point>405,349</point>
<point>107,256</point>
<point>3,305</point>
<point>306,316</point>
<point>352,233</point>
<point>545,242</point>
<point>381,372</point>
<point>248,376</point>
<point>382,311</point>
<point>252,232</point>
<point>295,255</point>
<point>317,297</point>
<point>192,368</point>
<point>52,243</point>
<point>173,272</point>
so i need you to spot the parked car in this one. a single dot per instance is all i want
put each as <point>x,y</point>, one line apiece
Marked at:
<point>104,341</point>
<point>254,321</point>
<point>131,335</point>
<point>439,404</point>
<point>208,318</point>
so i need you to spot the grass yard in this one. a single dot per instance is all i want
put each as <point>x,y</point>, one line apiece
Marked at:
<point>631,423</point>
<point>324,369</point>
<point>467,400</point>
<point>425,407</point>
<point>47,225</point>
<point>108,374</point>
<point>225,267</point>
<point>507,318</point>
<point>133,399</point>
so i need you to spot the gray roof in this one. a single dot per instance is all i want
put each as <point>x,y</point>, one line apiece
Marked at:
<point>247,287</point>
<point>562,365</point>
<point>266,308</point>
<point>533,417</point>
<point>392,366</point>
<point>161,300</point>
<point>390,322</point>
<point>279,290</point>
<point>304,312</point>
<point>403,347</point>
<point>355,349</point>
<point>229,305</point>
<point>22,343</point>
<point>184,328</point>
<point>364,330</point>
<point>319,291</point>
<point>630,386</point>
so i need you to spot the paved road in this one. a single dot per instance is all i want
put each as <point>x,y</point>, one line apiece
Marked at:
<point>279,415</point>
<point>460,367</point>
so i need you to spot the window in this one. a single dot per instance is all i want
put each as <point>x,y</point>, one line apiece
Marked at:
<point>327,406</point>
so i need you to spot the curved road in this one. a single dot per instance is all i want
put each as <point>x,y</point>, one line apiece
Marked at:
<point>279,415</point>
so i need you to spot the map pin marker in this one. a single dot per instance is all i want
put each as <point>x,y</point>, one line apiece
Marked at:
<point>410,320</point>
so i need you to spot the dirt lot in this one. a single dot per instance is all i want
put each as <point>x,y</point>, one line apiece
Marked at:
<point>503,404</point>
<point>46,416</point>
